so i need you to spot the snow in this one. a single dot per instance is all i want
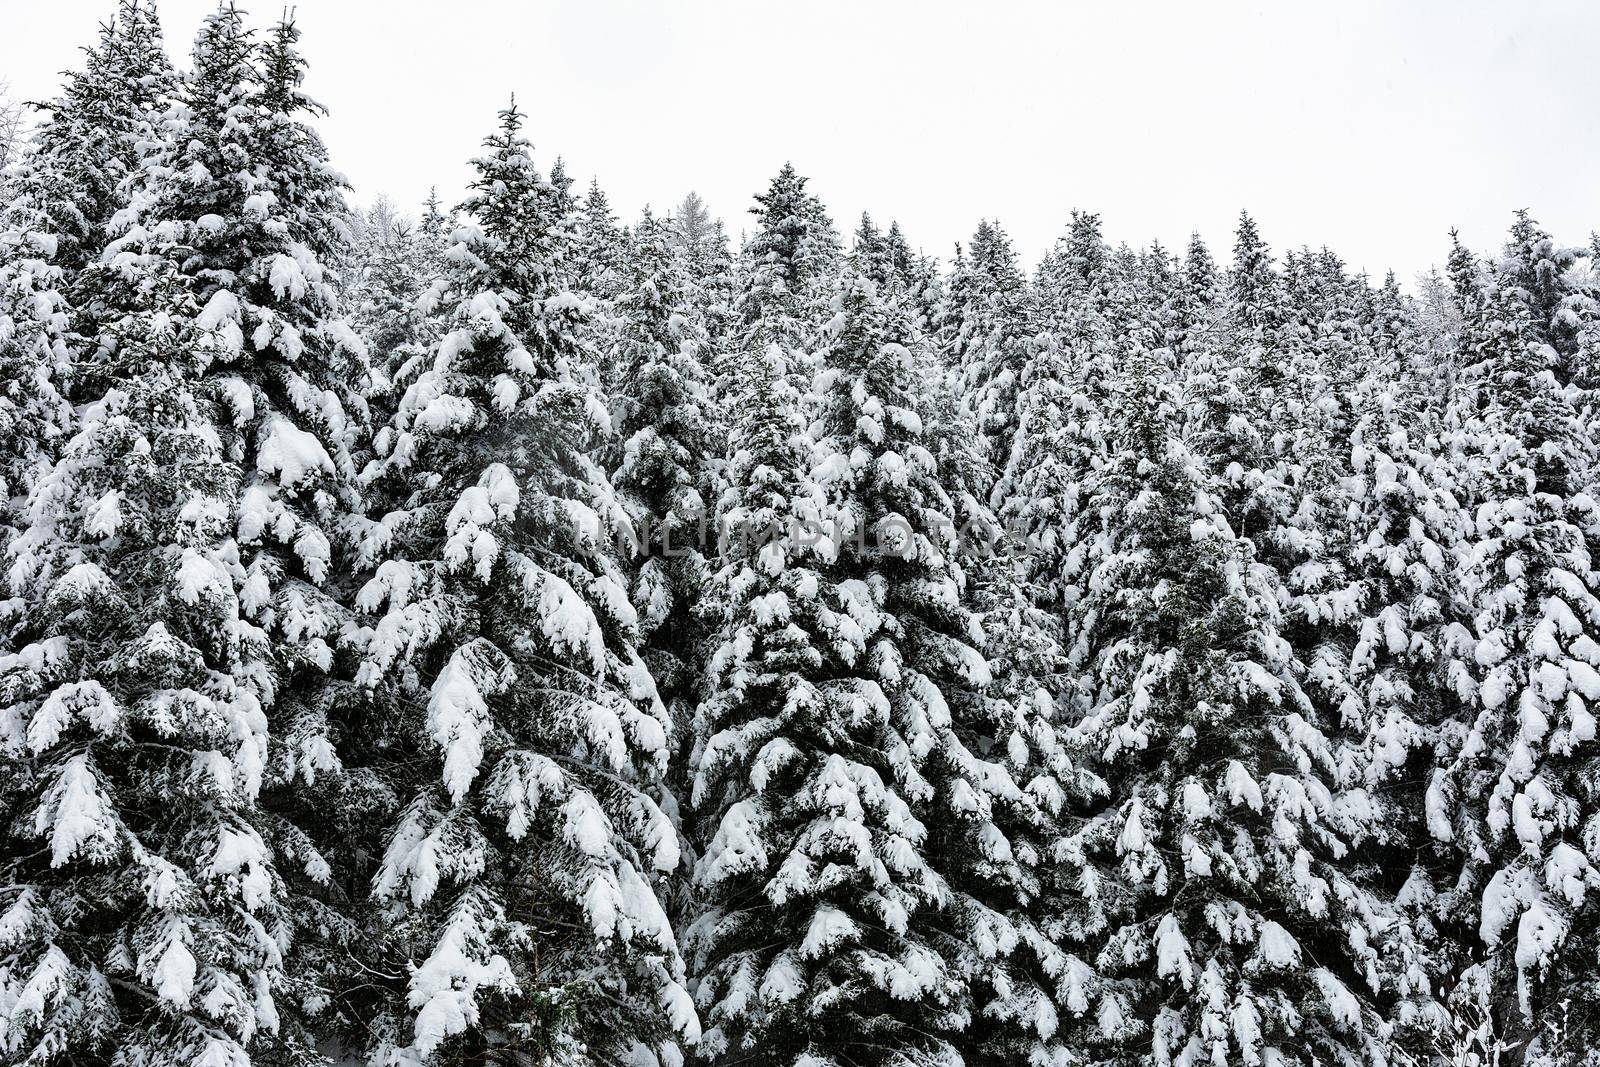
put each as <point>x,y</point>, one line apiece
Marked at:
<point>1172,952</point>
<point>287,278</point>
<point>174,975</point>
<point>87,700</point>
<point>200,576</point>
<point>291,454</point>
<point>568,622</point>
<point>1277,947</point>
<point>457,721</point>
<point>75,813</point>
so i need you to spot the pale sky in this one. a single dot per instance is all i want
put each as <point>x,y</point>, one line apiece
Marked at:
<point>1368,126</point>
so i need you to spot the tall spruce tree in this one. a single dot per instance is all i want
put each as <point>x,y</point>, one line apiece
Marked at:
<point>817,944</point>
<point>71,181</point>
<point>1232,928</point>
<point>1515,789</point>
<point>197,507</point>
<point>59,202</point>
<point>985,331</point>
<point>521,872</point>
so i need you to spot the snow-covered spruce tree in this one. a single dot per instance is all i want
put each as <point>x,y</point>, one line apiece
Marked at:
<point>902,262</point>
<point>391,286</point>
<point>69,183</point>
<point>1516,786</point>
<point>692,224</point>
<point>894,530</point>
<point>36,348</point>
<point>661,466</point>
<point>601,246</point>
<point>661,461</point>
<point>1225,388</point>
<point>596,269</point>
<point>1264,393</point>
<point>194,510</point>
<point>519,877</point>
<point>1323,368</point>
<point>58,204</point>
<point>813,943</point>
<point>985,327</point>
<point>1397,527</point>
<point>1153,294</point>
<point>1235,933</point>
<point>714,285</point>
<point>1078,265</point>
<point>1255,297</point>
<point>869,253</point>
<point>144,912</point>
<point>1059,438</point>
<point>701,246</point>
<point>997,776</point>
<point>1038,494</point>
<point>1198,300</point>
<point>792,256</point>
<point>779,296</point>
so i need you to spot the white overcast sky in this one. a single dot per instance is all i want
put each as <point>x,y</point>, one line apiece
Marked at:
<point>1371,127</point>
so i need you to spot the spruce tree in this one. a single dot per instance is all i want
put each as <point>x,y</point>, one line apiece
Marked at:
<point>1515,788</point>
<point>59,202</point>
<point>985,331</point>
<point>391,287</point>
<point>813,746</point>
<point>71,181</point>
<point>661,467</point>
<point>196,508</point>
<point>791,258</point>
<point>1232,928</point>
<point>521,871</point>
<point>692,225</point>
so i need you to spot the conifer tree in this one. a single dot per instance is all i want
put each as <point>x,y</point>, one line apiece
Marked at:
<point>1198,300</point>
<point>825,708</point>
<point>1077,266</point>
<point>791,256</point>
<point>980,666</point>
<point>600,245</point>
<point>1515,789</point>
<point>1232,928</point>
<point>871,255</point>
<point>70,183</point>
<point>665,435</point>
<point>521,872</point>
<point>59,202</point>
<point>986,329</point>
<point>391,288</point>
<point>661,466</point>
<point>196,508</point>
<point>1401,641</point>
<point>692,224</point>
<point>901,260</point>
<point>1061,414</point>
<point>1255,292</point>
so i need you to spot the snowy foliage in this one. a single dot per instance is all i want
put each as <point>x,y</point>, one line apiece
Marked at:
<point>525,635</point>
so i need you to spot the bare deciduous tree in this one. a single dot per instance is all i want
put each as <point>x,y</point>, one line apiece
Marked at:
<point>13,126</point>
<point>692,221</point>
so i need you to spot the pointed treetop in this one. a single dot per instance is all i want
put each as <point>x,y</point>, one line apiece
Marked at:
<point>284,69</point>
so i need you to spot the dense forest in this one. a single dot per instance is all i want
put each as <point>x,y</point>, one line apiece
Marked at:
<point>506,634</point>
